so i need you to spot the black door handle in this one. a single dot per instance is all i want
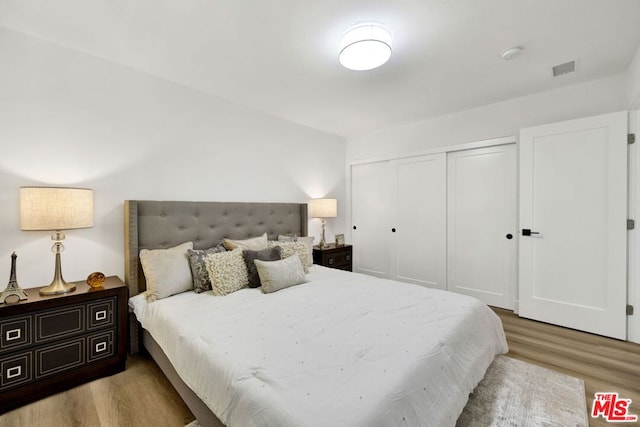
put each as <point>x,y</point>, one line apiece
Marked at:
<point>354,227</point>
<point>528,232</point>
<point>509,236</point>
<point>393,230</point>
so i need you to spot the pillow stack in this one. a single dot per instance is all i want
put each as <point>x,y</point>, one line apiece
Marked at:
<point>227,267</point>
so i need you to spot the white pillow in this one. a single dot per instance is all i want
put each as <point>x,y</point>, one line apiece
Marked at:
<point>227,271</point>
<point>276,275</point>
<point>308,241</point>
<point>167,271</point>
<point>254,244</point>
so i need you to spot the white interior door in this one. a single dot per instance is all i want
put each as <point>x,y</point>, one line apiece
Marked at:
<point>481,224</point>
<point>419,250</point>
<point>370,196</point>
<point>573,192</point>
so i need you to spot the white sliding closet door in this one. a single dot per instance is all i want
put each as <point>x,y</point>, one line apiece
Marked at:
<point>573,214</point>
<point>370,204</point>
<point>419,254</point>
<point>481,224</point>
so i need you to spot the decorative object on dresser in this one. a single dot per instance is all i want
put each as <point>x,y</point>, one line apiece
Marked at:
<point>50,344</point>
<point>13,290</point>
<point>96,280</point>
<point>339,239</point>
<point>324,208</point>
<point>339,257</point>
<point>56,208</point>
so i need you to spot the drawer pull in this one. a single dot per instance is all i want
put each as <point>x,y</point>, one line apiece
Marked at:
<point>13,334</point>
<point>100,347</point>
<point>101,315</point>
<point>330,260</point>
<point>16,371</point>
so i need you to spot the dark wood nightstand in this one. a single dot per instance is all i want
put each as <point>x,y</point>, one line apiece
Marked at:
<point>52,343</point>
<point>340,257</point>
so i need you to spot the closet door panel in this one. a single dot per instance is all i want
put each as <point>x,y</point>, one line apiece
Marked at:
<point>481,224</point>
<point>419,248</point>
<point>371,195</point>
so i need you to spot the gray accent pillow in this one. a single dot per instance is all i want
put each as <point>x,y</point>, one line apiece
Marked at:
<point>276,275</point>
<point>272,254</point>
<point>201,281</point>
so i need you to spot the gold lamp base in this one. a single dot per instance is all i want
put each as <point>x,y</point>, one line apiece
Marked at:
<point>58,285</point>
<point>323,241</point>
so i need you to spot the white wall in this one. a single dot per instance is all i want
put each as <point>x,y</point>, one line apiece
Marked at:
<point>491,121</point>
<point>633,295</point>
<point>67,118</point>
<point>494,120</point>
<point>633,83</point>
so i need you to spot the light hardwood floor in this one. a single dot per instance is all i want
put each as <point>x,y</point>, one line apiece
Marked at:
<point>141,396</point>
<point>605,364</point>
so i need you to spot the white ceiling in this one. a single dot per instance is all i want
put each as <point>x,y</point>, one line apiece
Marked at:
<point>279,56</point>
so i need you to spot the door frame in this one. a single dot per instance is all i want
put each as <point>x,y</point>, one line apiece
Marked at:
<point>633,241</point>
<point>609,319</point>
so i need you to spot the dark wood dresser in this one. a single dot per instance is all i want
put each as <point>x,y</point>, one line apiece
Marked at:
<point>52,343</point>
<point>340,257</point>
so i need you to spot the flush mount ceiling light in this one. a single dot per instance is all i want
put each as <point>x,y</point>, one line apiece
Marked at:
<point>511,53</point>
<point>365,46</point>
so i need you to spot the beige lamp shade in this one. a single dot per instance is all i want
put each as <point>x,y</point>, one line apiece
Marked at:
<point>324,208</point>
<point>55,208</point>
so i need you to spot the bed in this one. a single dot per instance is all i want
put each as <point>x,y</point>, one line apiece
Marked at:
<point>341,349</point>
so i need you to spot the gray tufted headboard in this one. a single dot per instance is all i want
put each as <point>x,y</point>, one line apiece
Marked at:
<point>163,224</point>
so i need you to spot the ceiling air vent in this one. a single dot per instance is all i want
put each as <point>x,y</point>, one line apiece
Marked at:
<point>566,68</point>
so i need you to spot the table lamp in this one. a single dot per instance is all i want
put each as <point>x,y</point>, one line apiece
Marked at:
<point>324,208</point>
<point>56,209</point>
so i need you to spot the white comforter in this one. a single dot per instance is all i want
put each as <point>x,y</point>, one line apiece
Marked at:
<point>343,350</point>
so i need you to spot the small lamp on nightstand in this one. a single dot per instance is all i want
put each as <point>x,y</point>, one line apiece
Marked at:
<point>324,208</point>
<point>55,208</point>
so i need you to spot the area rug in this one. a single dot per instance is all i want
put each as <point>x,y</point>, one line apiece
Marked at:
<point>515,393</point>
<point>518,394</point>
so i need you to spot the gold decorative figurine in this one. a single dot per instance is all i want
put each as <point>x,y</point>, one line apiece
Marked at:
<point>12,288</point>
<point>96,280</point>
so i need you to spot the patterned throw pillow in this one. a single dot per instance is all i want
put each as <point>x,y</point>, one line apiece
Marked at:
<point>166,271</point>
<point>227,271</point>
<point>201,282</point>
<point>308,241</point>
<point>271,254</point>
<point>276,275</point>
<point>291,248</point>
